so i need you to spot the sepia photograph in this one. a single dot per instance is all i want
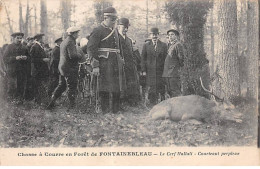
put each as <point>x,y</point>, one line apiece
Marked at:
<point>173,80</point>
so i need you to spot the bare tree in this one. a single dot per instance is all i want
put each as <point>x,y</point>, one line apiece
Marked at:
<point>252,49</point>
<point>9,20</point>
<point>44,20</point>
<point>65,13</point>
<point>226,60</point>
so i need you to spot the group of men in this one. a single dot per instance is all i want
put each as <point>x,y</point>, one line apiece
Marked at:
<point>113,58</point>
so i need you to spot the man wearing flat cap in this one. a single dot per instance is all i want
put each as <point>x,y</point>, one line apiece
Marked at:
<point>16,58</point>
<point>132,94</point>
<point>40,70</point>
<point>68,67</point>
<point>173,63</point>
<point>153,56</point>
<point>104,51</point>
<point>54,64</point>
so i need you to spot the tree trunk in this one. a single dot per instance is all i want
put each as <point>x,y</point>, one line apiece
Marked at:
<point>44,20</point>
<point>212,42</point>
<point>65,14</point>
<point>9,21</point>
<point>226,62</point>
<point>27,17</point>
<point>35,20</point>
<point>21,17</point>
<point>252,50</point>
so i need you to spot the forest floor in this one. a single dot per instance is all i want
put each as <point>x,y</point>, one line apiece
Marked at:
<point>29,125</point>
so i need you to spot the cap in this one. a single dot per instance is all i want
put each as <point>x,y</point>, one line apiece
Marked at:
<point>38,35</point>
<point>110,11</point>
<point>17,34</point>
<point>124,21</point>
<point>154,30</point>
<point>72,29</point>
<point>57,40</point>
<point>174,31</point>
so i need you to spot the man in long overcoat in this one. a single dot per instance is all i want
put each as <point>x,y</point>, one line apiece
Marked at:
<point>68,67</point>
<point>132,82</point>
<point>103,49</point>
<point>54,70</point>
<point>153,56</point>
<point>16,58</point>
<point>40,70</point>
<point>173,63</point>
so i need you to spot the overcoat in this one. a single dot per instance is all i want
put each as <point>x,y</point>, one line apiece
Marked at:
<point>153,63</point>
<point>39,67</point>
<point>69,57</point>
<point>174,61</point>
<point>112,78</point>
<point>13,65</point>
<point>54,62</point>
<point>132,81</point>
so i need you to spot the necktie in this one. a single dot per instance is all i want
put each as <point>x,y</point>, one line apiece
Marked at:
<point>154,45</point>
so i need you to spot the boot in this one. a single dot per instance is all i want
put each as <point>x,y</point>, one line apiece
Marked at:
<point>51,104</point>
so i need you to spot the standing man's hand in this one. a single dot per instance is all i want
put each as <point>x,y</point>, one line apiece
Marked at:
<point>46,59</point>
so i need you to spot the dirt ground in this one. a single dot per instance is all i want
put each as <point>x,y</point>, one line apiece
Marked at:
<point>28,125</point>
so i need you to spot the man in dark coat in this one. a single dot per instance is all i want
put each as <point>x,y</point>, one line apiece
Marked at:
<point>54,70</point>
<point>132,81</point>
<point>68,67</point>
<point>40,70</point>
<point>173,64</point>
<point>16,58</point>
<point>103,49</point>
<point>153,56</point>
<point>29,86</point>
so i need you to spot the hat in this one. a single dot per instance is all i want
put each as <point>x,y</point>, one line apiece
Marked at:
<point>29,38</point>
<point>72,29</point>
<point>39,35</point>
<point>154,30</point>
<point>17,34</point>
<point>110,11</point>
<point>57,40</point>
<point>124,21</point>
<point>174,31</point>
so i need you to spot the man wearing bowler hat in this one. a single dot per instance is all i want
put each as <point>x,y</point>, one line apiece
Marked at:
<point>54,63</point>
<point>103,48</point>
<point>68,67</point>
<point>153,56</point>
<point>173,64</point>
<point>132,94</point>
<point>40,70</point>
<point>16,58</point>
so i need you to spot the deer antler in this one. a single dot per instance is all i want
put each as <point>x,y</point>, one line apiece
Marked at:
<point>210,92</point>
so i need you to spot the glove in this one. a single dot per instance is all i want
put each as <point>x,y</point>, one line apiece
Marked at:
<point>96,71</point>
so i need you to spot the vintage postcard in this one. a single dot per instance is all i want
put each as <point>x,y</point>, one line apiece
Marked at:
<point>129,82</point>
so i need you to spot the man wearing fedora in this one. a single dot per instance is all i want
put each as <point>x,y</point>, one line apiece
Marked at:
<point>40,70</point>
<point>132,94</point>
<point>103,48</point>
<point>16,58</point>
<point>68,67</point>
<point>54,63</point>
<point>153,56</point>
<point>173,63</point>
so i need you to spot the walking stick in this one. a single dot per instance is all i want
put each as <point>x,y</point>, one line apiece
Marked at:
<point>97,96</point>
